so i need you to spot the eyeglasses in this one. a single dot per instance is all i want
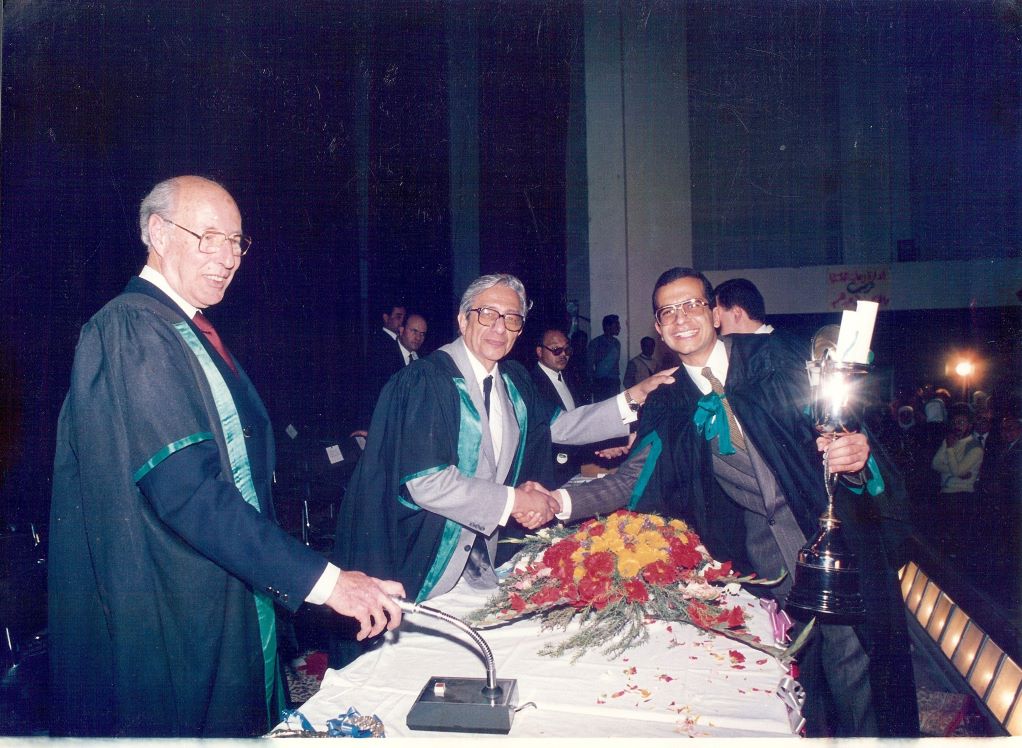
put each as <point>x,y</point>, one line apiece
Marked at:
<point>488,317</point>
<point>669,312</point>
<point>565,349</point>
<point>210,242</point>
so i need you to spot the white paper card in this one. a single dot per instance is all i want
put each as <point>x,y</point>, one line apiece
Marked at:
<point>333,453</point>
<point>291,431</point>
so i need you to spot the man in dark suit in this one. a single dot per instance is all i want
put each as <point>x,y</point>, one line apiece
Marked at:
<point>410,337</point>
<point>383,359</point>
<point>552,355</point>
<point>165,559</point>
<point>727,447</point>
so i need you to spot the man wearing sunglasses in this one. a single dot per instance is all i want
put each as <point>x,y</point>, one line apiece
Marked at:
<point>457,446</point>
<point>552,355</point>
<point>728,447</point>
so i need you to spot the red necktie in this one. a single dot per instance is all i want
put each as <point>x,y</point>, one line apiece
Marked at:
<point>210,332</point>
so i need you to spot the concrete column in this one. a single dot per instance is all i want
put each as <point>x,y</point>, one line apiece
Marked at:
<point>463,107</point>
<point>637,151</point>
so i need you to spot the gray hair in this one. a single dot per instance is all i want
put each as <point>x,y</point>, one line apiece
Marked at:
<point>161,201</point>
<point>483,282</point>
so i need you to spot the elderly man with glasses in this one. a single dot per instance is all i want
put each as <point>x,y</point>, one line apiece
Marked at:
<point>459,444</point>
<point>165,560</point>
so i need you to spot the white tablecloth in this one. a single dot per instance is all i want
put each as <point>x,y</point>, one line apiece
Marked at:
<point>682,682</point>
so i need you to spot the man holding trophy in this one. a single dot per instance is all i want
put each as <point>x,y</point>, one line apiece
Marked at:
<point>732,449</point>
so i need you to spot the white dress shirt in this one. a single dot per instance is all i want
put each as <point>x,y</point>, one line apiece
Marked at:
<point>559,384</point>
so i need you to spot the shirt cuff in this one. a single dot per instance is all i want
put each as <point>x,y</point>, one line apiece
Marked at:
<point>321,591</point>
<point>626,413</point>
<point>509,504</point>
<point>565,499</point>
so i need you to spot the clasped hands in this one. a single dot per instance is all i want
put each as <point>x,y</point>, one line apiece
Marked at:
<point>534,505</point>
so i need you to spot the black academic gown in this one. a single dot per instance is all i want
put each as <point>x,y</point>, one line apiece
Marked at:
<point>154,571</point>
<point>420,424</point>
<point>768,389</point>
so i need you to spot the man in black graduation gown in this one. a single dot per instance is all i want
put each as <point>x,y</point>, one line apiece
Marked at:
<point>165,560</point>
<point>454,443</point>
<point>750,481</point>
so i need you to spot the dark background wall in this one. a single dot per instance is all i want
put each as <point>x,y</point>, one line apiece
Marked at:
<point>329,122</point>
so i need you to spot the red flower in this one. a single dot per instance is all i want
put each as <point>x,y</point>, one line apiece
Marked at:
<point>597,529</point>
<point>558,558</point>
<point>733,618</point>
<point>700,614</point>
<point>636,592</point>
<point>599,564</point>
<point>660,572</point>
<point>517,603</point>
<point>593,589</point>
<point>711,574</point>
<point>549,594</point>
<point>684,555</point>
<point>570,592</point>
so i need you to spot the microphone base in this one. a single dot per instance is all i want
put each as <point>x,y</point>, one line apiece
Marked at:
<point>460,705</point>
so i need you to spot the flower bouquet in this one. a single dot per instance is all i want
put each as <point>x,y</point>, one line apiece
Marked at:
<point>615,574</point>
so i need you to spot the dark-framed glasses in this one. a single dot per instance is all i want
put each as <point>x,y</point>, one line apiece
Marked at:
<point>211,242</point>
<point>488,317</point>
<point>669,312</point>
<point>565,349</point>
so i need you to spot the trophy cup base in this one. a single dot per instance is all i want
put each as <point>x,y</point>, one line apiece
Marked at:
<point>829,595</point>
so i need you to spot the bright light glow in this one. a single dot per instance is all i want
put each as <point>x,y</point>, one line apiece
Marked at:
<point>964,368</point>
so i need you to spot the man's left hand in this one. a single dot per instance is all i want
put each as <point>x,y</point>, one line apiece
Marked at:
<point>847,453</point>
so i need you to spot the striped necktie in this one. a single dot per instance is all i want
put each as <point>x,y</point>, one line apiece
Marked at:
<point>737,438</point>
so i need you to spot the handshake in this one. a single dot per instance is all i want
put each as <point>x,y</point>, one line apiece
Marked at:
<point>534,505</point>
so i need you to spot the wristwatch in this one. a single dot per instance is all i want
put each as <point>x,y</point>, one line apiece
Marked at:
<point>631,402</point>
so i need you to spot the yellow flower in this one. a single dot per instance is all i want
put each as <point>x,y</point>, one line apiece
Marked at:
<point>578,573</point>
<point>628,565</point>
<point>652,539</point>
<point>678,526</point>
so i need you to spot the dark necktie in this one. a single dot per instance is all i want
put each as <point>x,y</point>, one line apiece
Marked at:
<point>559,377</point>
<point>411,357</point>
<point>487,386</point>
<point>737,438</point>
<point>209,331</point>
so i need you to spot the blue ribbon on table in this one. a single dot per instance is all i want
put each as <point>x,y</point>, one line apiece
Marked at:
<point>711,420</point>
<point>353,725</point>
<point>287,714</point>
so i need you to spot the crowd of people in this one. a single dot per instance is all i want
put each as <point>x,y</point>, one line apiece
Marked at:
<point>166,561</point>
<point>962,463</point>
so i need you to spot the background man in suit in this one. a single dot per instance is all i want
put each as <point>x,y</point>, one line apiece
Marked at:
<point>384,358</point>
<point>643,365</point>
<point>553,354</point>
<point>739,307</point>
<point>165,559</point>
<point>410,337</point>
<point>455,442</point>
<point>605,360</point>
<point>753,489</point>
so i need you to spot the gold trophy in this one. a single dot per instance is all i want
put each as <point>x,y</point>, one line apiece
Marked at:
<point>826,573</point>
